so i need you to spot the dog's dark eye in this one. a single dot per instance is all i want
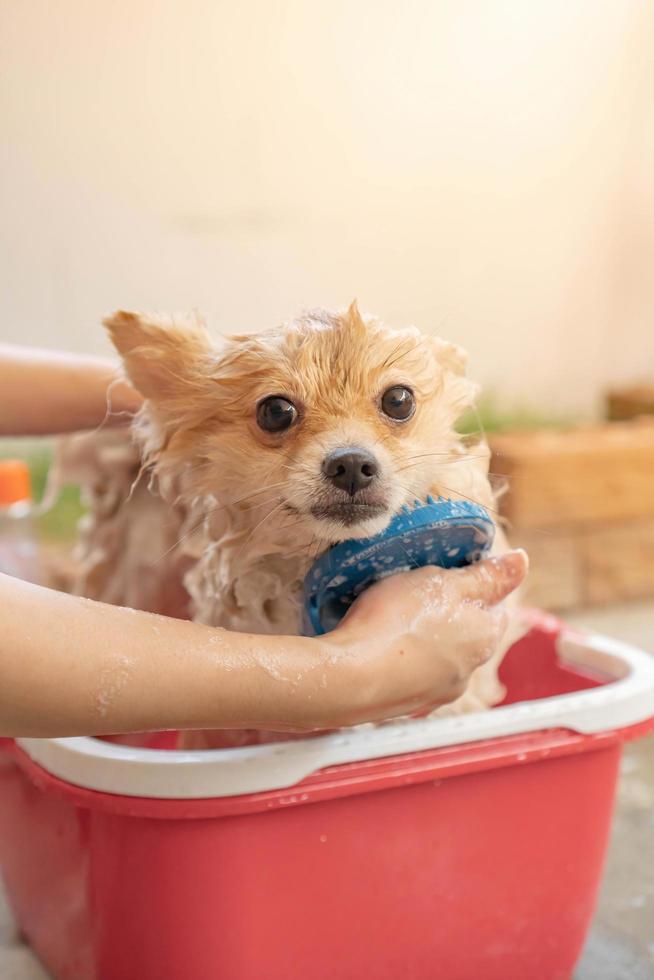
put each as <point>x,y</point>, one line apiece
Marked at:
<point>398,403</point>
<point>276,414</point>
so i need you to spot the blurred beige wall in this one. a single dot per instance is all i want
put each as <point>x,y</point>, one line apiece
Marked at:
<point>484,168</point>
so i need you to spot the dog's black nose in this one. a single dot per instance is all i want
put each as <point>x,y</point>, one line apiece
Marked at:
<point>350,469</point>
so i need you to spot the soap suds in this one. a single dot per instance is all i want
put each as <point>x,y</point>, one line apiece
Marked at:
<point>113,679</point>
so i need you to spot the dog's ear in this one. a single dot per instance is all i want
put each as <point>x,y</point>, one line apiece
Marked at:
<point>451,356</point>
<point>162,356</point>
<point>461,393</point>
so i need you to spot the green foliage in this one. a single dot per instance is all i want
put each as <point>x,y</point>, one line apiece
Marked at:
<point>60,521</point>
<point>489,417</point>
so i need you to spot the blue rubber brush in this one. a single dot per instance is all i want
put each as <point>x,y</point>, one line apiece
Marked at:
<point>448,533</point>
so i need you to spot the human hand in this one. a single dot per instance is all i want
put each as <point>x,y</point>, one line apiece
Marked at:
<point>413,640</point>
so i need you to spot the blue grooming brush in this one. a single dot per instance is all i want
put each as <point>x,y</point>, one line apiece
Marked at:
<point>448,533</point>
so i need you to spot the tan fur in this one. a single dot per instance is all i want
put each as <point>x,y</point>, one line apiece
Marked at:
<point>243,497</point>
<point>126,553</point>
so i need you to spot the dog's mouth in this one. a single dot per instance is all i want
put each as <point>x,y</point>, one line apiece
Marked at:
<point>349,513</point>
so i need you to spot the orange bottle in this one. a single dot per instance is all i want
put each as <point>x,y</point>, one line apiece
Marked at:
<point>19,553</point>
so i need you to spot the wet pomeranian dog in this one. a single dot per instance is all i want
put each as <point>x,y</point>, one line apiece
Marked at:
<point>253,454</point>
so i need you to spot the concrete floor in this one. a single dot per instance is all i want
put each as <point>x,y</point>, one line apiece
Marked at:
<point>621,944</point>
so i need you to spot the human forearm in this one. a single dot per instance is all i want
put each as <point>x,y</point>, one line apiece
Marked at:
<point>46,392</point>
<point>71,666</point>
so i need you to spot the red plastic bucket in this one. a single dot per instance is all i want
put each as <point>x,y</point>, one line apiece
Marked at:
<point>473,860</point>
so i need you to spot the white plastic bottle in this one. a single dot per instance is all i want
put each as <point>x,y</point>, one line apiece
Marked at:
<point>19,550</point>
